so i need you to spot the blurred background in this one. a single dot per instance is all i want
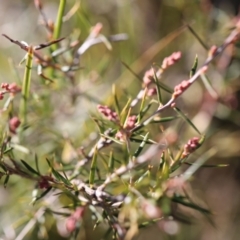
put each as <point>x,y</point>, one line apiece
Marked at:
<point>155,29</point>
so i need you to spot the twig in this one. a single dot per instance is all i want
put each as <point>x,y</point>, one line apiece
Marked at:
<point>93,40</point>
<point>144,158</point>
<point>234,35</point>
<point>97,196</point>
<point>102,143</point>
<point>25,47</point>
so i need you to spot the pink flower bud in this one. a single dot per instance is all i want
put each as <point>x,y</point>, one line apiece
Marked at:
<point>148,77</point>
<point>78,214</point>
<point>151,92</point>
<point>71,224</point>
<point>150,210</point>
<point>191,146</point>
<point>14,123</point>
<point>14,88</point>
<point>95,31</point>
<point>172,59</point>
<point>180,88</point>
<point>185,84</point>
<point>108,113</point>
<point>119,135</point>
<point>38,4</point>
<point>4,86</point>
<point>131,121</point>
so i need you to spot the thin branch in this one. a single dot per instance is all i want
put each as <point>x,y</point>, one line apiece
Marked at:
<point>144,158</point>
<point>234,35</point>
<point>44,45</point>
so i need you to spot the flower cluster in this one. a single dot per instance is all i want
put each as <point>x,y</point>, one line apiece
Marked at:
<point>108,113</point>
<point>167,62</point>
<point>147,80</point>
<point>131,122</point>
<point>128,126</point>
<point>180,88</point>
<point>148,77</point>
<point>172,59</point>
<point>71,222</point>
<point>12,88</point>
<point>191,146</point>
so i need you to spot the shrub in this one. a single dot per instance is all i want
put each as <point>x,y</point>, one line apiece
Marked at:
<point>124,170</point>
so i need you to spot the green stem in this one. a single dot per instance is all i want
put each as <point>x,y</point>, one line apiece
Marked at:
<point>58,24</point>
<point>57,32</point>
<point>26,86</point>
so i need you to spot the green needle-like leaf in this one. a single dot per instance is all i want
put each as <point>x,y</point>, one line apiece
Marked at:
<point>159,95</point>
<point>165,119</point>
<point>116,103</point>
<point>93,168</point>
<point>28,167</point>
<point>125,112</point>
<point>6,180</point>
<point>186,119</point>
<point>191,205</point>
<point>141,146</point>
<point>194,67</point>
<point>165,87</point>
<point>111,162</point>
<point>57,175</point>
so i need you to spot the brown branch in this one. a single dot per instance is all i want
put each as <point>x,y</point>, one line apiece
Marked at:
<point>25,47</point>
<point>44,45</point>
<point>21,45</point>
